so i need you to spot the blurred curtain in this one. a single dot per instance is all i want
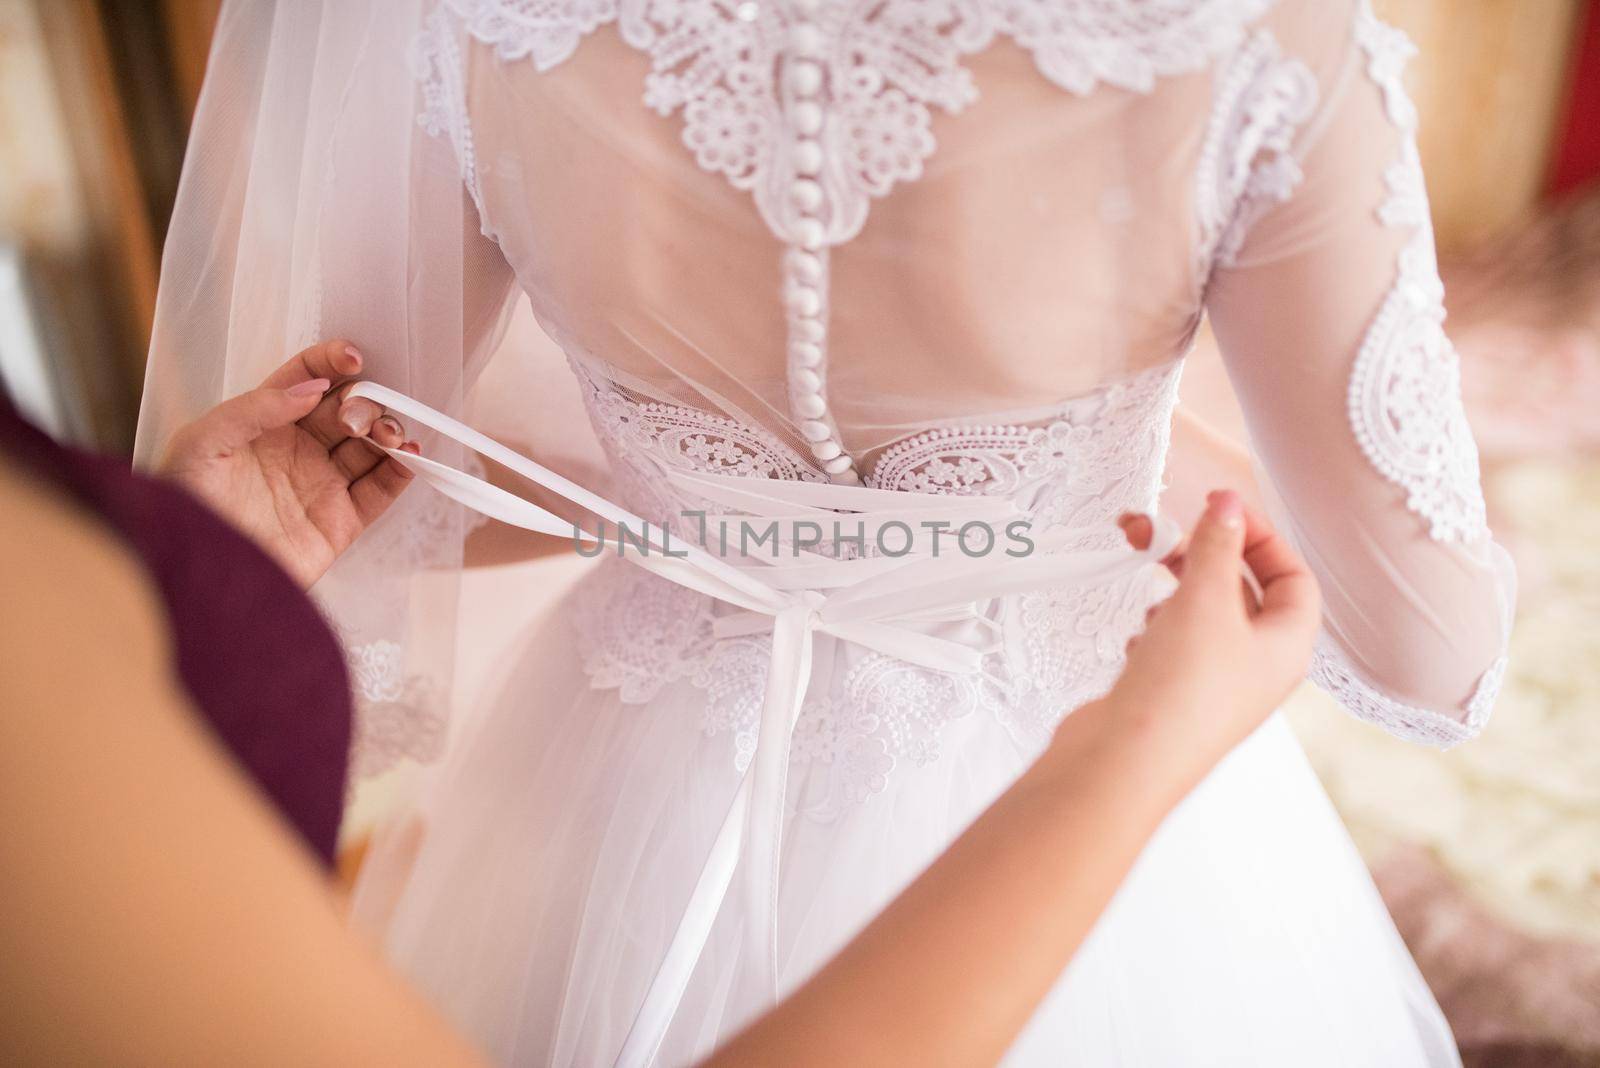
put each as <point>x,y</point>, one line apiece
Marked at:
<point>95,98</point>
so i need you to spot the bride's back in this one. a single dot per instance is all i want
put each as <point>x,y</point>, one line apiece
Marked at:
<point>938,245</point>
<point>1000,228</point>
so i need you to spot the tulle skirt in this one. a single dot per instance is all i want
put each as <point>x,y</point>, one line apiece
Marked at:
<point>534,887</point>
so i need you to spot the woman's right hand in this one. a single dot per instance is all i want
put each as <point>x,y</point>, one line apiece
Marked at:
<point>293,463</point>
<point>1215,660</point>
<point>991,923</point>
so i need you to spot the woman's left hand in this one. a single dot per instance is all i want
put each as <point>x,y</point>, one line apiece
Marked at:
<point>292,462</point>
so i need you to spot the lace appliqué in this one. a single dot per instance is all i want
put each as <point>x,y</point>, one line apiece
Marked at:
<point>1405,387</point>
<point>436,60</point>
<point>398,717</point>
<point>886,712</point>
<point>1247,162</point>
<point>1098,456</point>
<point>643,436</point>
<point>1332,671</point>
<point>400,713</point>
<point>846,742</point>
<point>642,634</point>
<point>1405,409</point>
<point>1073,644</point>
<point>882,66</point>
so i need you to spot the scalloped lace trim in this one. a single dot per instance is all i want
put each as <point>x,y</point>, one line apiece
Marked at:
<point>1405,387</point>
<point>1334,673</point>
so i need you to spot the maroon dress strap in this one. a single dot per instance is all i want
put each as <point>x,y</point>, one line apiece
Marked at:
<point>250,648</point>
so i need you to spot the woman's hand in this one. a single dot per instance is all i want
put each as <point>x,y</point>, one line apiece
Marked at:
<point>991,923</point>
<point>1215,659</point>
<point>292,462</point>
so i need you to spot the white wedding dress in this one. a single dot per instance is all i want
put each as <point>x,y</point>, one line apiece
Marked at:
<point>894,259</point>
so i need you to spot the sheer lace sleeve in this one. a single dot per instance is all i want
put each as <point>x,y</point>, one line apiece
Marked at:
<point>1328,308</point>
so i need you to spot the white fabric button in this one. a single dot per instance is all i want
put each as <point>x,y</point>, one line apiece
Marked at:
<point>815,431</point>
<point>805,301</point>
<point>807,156</point>
<point>826,450</point>
<point>810,405</point>
<point>805,266</point>
<point>809,233</point>
<point>807,354</point>
<point>807,381</point>
<point>807,117</point>
<point>805,78</point>
<point>807,194</point>
<point>810,330</point>
<point>837,466</point>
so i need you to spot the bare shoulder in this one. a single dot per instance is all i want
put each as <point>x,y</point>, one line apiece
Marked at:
<point>78,611</point>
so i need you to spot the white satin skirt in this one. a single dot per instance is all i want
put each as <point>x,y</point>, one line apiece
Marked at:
<point>533,889</point>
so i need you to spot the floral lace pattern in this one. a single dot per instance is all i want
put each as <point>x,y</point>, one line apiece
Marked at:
<point>815,107</point>
<point>1406,411</point>
<point>641,437</point>
<point>436,59</point>
<point>1063,469</point>
<point>1405,388</point>
<point>1247,163</point>
<point>726,65</point>
<point>399,714</point>
<point>1097,456</point>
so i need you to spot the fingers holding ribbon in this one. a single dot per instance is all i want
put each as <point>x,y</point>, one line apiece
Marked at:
<point>354,430</point>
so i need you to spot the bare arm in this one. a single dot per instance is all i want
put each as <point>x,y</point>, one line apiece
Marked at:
<point>952,970</point>
<point>154,911</point>
<point>157,913</point>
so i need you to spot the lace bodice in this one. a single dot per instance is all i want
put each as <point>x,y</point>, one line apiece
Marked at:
<point>1088,461</point>
<point>825,236</point>
<point>957,249</point>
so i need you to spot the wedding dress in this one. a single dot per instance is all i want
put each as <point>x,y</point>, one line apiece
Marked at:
<point>886,262</point>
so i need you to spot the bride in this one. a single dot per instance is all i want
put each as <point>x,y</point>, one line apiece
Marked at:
<point>886,261</point>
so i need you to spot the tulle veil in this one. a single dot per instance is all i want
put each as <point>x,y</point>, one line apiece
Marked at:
<point>318,201</point>
<point>314,204</point>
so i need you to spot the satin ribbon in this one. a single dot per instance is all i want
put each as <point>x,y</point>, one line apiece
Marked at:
<point>881,603</point>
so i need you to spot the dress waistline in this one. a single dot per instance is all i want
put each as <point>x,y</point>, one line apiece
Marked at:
<point>877,602</point>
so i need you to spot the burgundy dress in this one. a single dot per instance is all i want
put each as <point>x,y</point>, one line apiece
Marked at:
<point>251,649</point>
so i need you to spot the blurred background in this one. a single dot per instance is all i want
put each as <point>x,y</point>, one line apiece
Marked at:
<point>1489,856</point>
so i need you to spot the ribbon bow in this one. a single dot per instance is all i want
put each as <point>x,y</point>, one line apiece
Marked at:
<point>880,602</point>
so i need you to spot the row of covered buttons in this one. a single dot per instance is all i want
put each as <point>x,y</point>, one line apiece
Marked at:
<point>805,270</point>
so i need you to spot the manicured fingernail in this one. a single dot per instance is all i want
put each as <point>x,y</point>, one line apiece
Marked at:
<point>392,425</point>
<point>355,356</point>
<point>1226,507</point>
<point>357,417</point>
<point>306,389</point>
<point>411,447</point>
